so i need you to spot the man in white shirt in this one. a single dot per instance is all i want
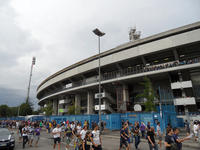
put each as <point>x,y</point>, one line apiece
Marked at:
<point>96,139</point>
<point>57,136</point>
<point>25,135</point>
<point>83,132</point>
<point>30,134</point>
<point>78,128</point>
<point>73,126</point>
<point>195,128</point>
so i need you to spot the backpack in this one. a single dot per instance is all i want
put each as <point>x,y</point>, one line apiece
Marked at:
<point>174,146</point>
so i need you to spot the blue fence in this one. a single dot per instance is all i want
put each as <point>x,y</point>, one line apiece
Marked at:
<point>114,121</point>
<point>80,118</point>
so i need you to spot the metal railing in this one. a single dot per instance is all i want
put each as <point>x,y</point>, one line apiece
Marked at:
<point>130,71</point>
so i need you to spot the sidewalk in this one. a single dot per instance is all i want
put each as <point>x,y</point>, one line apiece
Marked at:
<point>116,134</point>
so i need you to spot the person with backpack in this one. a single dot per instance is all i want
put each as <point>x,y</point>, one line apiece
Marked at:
<point>123,137</point>
<point>151,139</point>
<point>137,134</point>
<point>87,142</point>
<point>169,140</point>
<point>68,134</point>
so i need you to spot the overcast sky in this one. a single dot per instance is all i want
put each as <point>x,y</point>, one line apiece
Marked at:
<point>59,33</point>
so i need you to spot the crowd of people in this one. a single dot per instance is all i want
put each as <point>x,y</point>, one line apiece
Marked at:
<point>27,131</point>
<point>80,137</point>
<point>172,140</point>
<point>73,134</point>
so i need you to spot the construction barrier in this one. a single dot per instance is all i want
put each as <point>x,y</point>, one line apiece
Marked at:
<point>114,121</point>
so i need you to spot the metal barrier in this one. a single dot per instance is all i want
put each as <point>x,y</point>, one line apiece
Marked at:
<point>114,121</point>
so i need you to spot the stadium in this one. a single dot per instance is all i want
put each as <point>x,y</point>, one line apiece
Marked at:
<point>171,60</point>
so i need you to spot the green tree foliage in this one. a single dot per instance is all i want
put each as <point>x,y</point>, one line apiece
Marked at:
<point>4,111</point>
<point>25,109</point>
<point>48,109</point>
<point>37,112</point>
<point>14,111</point>
<point>148,94</point>
<point>74,110</point>
<point>71,109</point>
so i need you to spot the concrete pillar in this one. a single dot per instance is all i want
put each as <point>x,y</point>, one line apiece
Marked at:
<point>90,103</point>
<point>175,54</point>
<point>77,103</point>
<point>55,107</point>
<point>125,95</point>
<point>144,60</point>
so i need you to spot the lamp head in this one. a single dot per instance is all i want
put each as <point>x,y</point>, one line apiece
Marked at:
<point>98,32</point>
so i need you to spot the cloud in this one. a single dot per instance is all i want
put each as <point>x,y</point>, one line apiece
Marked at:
<point>16,44</point>
<point>11,97</point>
<point>59,32</point>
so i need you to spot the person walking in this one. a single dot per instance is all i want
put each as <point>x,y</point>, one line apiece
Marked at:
<point>127,131</point>
<point>169,140</point>
<point>78,128</point>
<point>87,143</point>
<point>83,132</point>
<point>137,135</point>
<point>159,134</point>
<point>187,127</point>
<point>25,135</point>
<point>151,139</point>
<point>30,134</point>
<point>68,134</point>
<point>123,137</point>
<point>142,129</point>
<point>177,139</point>
<point>20,131</point>
<point>37,135</point>
<point>96,139</point>
<point>78,142</point>
<point>195,130</point>
<point>57,136</point>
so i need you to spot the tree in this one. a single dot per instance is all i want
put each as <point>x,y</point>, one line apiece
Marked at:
<point>4,111</point>
<point>74,110</point>
<point>14,111</point>
<point>37,112</point>
<point>26,109</point>
<point>48,109</point>
<point>148,94</point>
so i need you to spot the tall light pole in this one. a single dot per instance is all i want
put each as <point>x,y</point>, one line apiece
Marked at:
<point>29,83</point>
<point>99,34</point>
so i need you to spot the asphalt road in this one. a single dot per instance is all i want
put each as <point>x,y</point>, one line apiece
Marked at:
<point>108,144</point>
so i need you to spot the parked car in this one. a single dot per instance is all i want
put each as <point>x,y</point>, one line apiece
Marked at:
<point>7,139</point>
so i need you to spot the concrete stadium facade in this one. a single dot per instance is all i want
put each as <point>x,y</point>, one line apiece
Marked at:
<point>170,59</point>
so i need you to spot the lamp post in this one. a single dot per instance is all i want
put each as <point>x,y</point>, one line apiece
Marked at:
<point>99,34</point>
<point>29,83</point>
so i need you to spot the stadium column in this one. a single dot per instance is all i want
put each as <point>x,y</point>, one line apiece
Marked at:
<point>90,102</point>
<point>55,107</point>
<point>125,96</point>
<point>77,103</point>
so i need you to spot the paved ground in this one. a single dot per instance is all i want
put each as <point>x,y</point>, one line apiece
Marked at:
<point>110,142</point>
